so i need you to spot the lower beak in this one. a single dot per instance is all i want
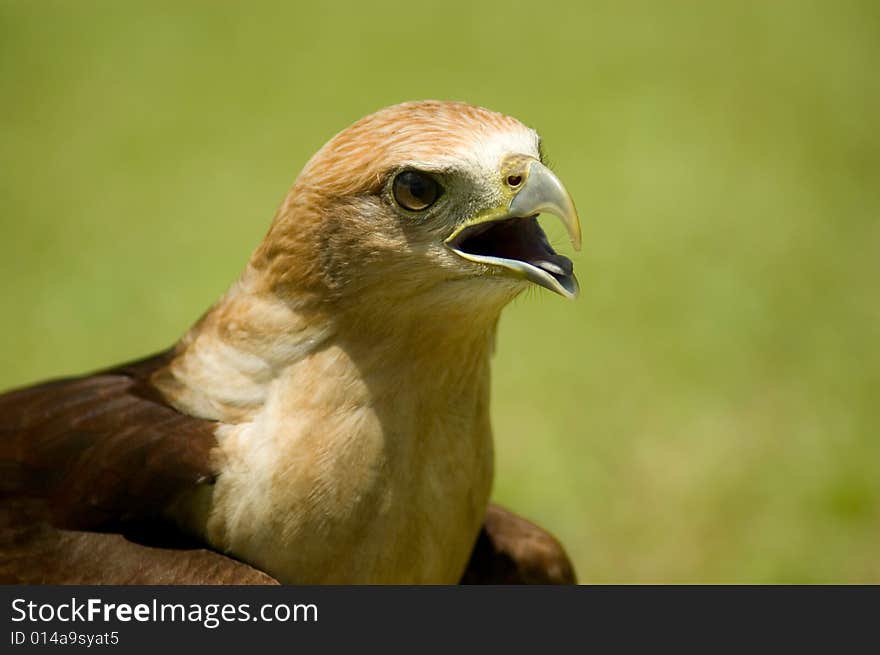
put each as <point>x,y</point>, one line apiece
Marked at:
<point>510,237</point>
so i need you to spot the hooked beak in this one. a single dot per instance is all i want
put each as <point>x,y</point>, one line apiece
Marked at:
<point>510,237</point>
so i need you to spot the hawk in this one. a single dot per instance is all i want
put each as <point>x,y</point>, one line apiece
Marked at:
<point>327,420</point>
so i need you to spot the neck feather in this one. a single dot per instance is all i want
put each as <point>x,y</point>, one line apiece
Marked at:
<point>228,363</point>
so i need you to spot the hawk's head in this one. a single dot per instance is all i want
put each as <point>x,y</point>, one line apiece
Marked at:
<point>422,199</point>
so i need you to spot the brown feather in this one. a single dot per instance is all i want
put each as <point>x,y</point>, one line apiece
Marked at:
<point>512,550</point>
<point>34,552</point>
<point>101,450</point>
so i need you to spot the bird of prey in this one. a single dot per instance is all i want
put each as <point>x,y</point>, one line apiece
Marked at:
<point>327,420</point>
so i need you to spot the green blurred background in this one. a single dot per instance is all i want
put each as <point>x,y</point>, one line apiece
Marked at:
<point>707,411</point>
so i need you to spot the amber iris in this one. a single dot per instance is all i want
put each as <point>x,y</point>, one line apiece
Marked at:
<point>415,191</point>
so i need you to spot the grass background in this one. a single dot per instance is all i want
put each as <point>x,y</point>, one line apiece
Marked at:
<point>707,411</point>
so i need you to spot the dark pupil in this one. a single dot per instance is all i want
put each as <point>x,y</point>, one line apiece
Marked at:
<point>417,186</point>
<point>415,191</point>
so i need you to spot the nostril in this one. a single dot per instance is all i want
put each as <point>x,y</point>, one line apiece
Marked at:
<point>514,180</point>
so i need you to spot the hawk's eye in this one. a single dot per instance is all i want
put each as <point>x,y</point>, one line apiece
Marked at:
<point>415,191</point>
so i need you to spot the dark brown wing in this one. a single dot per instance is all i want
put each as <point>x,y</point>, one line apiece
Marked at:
<point>35,552</point>
<point>102,449</point>
<point>512,550</point>
<point>87,465</point>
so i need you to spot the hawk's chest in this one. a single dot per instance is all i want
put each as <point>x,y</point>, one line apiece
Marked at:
<point>350,483</point>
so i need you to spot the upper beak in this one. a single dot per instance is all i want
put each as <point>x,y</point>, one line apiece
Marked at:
<point>510,237</point>
<point>544,192</point>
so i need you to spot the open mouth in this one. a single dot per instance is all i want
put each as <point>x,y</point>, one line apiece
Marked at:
<point>520,245</point>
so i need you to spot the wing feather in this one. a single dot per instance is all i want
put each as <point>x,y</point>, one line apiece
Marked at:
<point>87,466</point>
